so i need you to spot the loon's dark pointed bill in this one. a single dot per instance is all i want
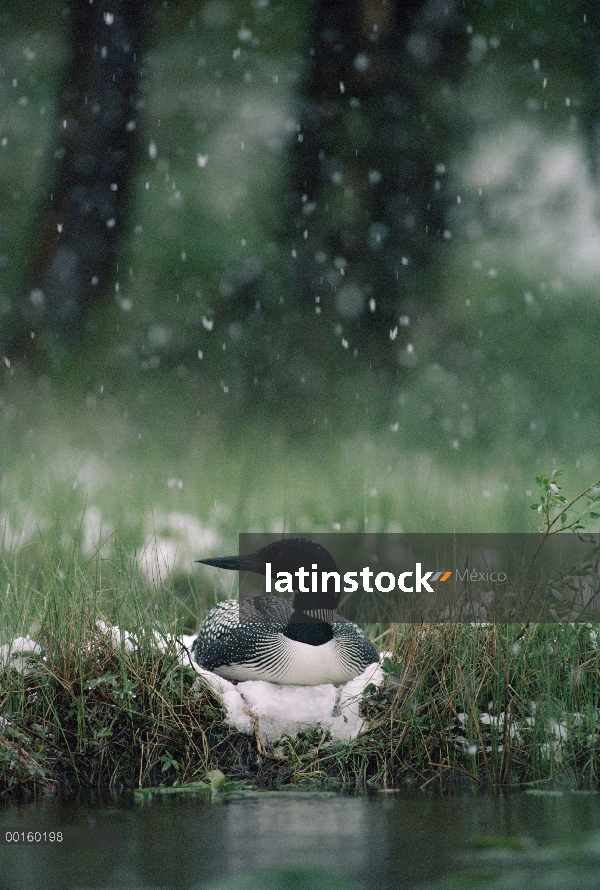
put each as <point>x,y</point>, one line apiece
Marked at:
<point>222,562</point>
<point>245,563</point>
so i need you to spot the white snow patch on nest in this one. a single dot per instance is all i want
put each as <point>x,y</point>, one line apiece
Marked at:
<point>287,710</point>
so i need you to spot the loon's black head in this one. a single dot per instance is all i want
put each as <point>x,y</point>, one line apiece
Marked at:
<point>289,555</point>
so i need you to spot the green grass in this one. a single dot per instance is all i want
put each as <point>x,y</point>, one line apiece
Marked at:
<point>92,711</point>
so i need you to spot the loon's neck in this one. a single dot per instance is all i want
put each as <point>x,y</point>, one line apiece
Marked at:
<point>312,618</point>
<point>305,629</point>
<point>315,606</point>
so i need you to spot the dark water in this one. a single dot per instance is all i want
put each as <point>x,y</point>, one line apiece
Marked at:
<point>385,841</point>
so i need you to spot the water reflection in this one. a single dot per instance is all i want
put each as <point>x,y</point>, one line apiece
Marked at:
<point>395,841</point>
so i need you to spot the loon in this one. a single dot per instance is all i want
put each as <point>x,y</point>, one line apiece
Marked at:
<point>302,641</point>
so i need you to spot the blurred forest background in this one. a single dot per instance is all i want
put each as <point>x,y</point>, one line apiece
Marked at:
<point>294,266</point>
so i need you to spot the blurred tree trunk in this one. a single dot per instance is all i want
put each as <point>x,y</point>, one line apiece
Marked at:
<point>368,199</point>
<point>83,218</point>
<point>591,62</point>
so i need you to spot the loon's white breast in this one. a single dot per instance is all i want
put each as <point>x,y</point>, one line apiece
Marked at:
<point>294,664</point>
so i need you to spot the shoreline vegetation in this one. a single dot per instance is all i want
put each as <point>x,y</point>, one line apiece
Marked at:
<point>462,707</point>
<point>86,707</point>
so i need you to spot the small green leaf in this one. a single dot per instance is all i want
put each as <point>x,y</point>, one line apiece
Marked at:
<point>228,786</point>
